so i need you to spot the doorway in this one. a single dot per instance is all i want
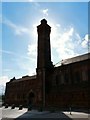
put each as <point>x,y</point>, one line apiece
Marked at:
<point>31,97</point>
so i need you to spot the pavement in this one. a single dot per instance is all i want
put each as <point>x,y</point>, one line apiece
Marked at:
<point>24,114</point>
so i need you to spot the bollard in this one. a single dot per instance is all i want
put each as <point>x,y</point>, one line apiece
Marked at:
<point>70,111</point>
<point>6,106</point>
<point>13,106</point>
<point>40,109</point>
<point>29,109</point>
<point>20,107</point>
<point>52,110</point>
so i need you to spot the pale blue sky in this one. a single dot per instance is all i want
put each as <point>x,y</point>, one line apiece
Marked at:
<point>45,0</point>
<point>69,33</point>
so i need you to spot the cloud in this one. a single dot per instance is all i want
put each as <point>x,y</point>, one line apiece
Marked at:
<point>32,47</point>
<point>31,71</point>
<point>58,25</point>
<point>29,0</point>
<point>7,70</point>
<point>27,65</point>
<point>32,53</point>
<point>3,80</point>
<point>7,52</point>
<point>32,50</point>
<point>65,42</point>
<point>14,54</point>
<point>45,12</point>
<point>85,41</point>
<point>19,30</point>
<point>62,43</point>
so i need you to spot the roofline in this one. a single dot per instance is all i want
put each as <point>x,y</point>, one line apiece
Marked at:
<point>83,57</point>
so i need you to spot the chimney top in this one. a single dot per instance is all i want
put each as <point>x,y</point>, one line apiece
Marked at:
<point>43,21</point>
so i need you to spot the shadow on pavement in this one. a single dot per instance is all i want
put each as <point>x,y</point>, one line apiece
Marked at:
<point>43,116</point>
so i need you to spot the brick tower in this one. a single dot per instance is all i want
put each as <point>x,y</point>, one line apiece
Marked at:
<point>44,64</point>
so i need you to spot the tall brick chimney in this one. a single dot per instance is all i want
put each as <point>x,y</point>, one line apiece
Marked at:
<point>44,63</point>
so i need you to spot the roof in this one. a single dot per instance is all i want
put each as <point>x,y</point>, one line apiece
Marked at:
<point>73,60</point>
<point>24,78</point>
<point>63,62</point>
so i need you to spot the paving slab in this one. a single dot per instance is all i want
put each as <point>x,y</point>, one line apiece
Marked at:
<point>0,113</point>
<point>24,114</point>
<point>12,113</point>
<point>79,115</point>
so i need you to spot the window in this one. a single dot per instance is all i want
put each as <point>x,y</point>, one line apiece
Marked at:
<point>66,77</point>
<point>57,80</point>
<point>84,75</point>
<point>77,77</point>
<point>62,79</point>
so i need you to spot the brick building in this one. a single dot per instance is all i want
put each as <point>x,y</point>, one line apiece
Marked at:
<point>62,85</point>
